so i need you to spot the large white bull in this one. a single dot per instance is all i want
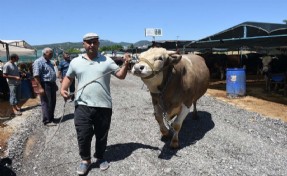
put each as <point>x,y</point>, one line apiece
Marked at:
<point>175,83</point>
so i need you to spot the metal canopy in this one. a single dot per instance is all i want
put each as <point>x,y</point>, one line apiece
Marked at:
<point>247,34</point>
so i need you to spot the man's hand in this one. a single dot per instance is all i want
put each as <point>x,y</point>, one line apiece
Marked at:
<point>127,58</point>
<point>41,91</point>
<point>18,78</point>
<point>65,94</point>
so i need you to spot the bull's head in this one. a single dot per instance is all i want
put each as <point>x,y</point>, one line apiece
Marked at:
<point>266,60</point>
<point>153,61</point>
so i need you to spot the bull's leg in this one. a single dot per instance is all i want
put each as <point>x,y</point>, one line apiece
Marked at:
<point>194,112</point>
<point>176,125</point>
<point>159,119</point>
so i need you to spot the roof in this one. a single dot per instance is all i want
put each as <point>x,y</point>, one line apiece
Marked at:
<point>250,34</point>
<point>172,44</point>
<point>20,47</point>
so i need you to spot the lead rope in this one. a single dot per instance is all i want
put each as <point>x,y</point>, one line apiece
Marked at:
<point>162,105</point>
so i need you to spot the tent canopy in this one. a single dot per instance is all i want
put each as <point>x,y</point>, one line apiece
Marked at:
<point>20,47</point>
<point>247,34</point>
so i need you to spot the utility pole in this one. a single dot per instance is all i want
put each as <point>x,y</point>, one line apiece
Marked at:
<point>176,42</point>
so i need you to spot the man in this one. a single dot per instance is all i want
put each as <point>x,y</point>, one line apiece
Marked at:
<point>93,101</point>
<point>12,74</point>
<point>62,70</point>
<point>45,79</point>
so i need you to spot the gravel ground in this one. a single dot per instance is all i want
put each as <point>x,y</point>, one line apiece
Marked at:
<point>224,141</point>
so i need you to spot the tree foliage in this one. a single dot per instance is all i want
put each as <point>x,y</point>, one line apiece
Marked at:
<point>73,51</point>
<point>111,48</point>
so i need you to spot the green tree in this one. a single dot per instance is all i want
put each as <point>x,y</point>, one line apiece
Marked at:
<point>111,48</point>
<point>73,51</point>
<point>285,21</point>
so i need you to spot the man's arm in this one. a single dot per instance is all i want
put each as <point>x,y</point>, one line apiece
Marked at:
<point>11,77</point>
<point>60,76</point>
<point>6,74</point>
<point>121,74</point>
<point>38,82</point>
<point>67,81</point>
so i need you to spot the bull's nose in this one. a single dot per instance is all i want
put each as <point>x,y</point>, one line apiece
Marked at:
<point>139,67</point>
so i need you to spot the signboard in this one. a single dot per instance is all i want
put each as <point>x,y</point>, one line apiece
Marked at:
<point>153,32</point>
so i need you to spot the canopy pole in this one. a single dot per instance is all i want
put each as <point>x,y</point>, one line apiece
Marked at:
<point>7,51</point>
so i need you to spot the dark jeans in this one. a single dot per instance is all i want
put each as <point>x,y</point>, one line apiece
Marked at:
<point>90,121</point>
<point>15,94</point>
<point>48,101</point>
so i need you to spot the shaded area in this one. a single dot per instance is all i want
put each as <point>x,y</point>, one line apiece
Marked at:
<point>121,151</point>
<point>65,118</point>
<point>191,132</point>
<point>5,170</point>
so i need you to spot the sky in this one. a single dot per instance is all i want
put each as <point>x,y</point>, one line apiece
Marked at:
<point>56,21</point>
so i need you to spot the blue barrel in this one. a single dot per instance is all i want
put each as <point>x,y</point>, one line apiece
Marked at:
<point>235,82</point>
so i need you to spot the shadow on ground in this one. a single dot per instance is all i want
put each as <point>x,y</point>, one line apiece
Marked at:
<point>191,132</point>
<point>5,169</point>
<point>121,151</point>
<point>65,118</point>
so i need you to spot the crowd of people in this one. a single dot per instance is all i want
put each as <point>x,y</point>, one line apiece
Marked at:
<point>92,98</point>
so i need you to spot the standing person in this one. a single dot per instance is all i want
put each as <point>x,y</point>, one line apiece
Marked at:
<point>93,100</point>
<point>12,74</point>
<point>45,78</point>
<point>62,70</point>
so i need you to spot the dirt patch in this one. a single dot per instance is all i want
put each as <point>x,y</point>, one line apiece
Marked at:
<point>29,145</point>
<point>6,131</point>
<point>271,104</point>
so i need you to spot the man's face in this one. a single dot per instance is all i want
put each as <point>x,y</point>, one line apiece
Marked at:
<point>92,45</point>
<point>48,54</point>
<point>15,59</point>
<point>66,56</point>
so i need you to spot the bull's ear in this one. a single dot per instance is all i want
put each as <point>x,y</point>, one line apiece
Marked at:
<point>174,57</point>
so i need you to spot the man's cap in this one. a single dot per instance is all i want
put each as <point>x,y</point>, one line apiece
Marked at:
<point>90,36</point>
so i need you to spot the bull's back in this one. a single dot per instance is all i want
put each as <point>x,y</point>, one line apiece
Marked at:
<point>196,79</point>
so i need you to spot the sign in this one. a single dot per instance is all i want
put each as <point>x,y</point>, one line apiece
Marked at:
<point>153,32</point>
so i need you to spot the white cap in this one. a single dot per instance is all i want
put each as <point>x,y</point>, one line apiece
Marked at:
<point>90,36</point>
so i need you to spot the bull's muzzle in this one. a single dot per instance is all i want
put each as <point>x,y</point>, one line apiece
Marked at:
<point>138,68</point>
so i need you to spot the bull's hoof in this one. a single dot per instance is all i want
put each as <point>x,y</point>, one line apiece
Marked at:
<point>174,145</point>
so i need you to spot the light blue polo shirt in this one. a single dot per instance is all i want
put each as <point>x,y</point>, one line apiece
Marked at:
<point>91,91</point>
